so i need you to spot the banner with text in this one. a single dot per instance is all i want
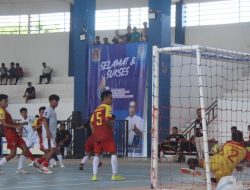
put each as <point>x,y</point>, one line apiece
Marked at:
<point>121,69</point>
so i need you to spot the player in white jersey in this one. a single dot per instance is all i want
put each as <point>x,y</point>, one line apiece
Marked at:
<point>31,136</point>
<point>49,133</point>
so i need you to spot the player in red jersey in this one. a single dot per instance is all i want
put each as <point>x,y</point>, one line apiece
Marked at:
<point>38,125</point>
<point>102,123</point>
<point>12,137</point>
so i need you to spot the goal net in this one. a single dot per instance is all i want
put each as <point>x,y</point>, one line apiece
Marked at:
<point>209,105</point>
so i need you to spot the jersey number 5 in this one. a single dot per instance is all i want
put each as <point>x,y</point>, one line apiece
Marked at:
<point>99,118</point>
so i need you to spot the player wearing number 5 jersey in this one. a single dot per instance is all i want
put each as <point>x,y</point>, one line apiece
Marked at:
<point>102,123</point>
<point>224,161</point>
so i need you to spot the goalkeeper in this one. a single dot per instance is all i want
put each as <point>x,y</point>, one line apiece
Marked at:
<point>224,160</point>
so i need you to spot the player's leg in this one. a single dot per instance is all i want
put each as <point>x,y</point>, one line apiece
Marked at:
<point>7,158</point>
<point>59,156</point>
<point>96,160</point>
<point>109,146</point>
<point>51,147</point>
<point>22,159</point>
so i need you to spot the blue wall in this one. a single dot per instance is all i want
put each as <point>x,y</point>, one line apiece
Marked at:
<point>160,35</point>
<point>83,16</point>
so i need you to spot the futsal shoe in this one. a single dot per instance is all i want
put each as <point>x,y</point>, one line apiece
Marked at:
<point>37,165</point>
<point>117,178</point>
<point>1,172</point>
<point>81,167</point>
<point>62,165</point>
<point>46,170</point>
<point>192,163</point>
<point>94,178</point>
<point>31,164</point>
<point>21,171</point>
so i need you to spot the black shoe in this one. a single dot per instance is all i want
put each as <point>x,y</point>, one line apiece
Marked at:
<point>213,180</point>
<point>192,163</point>
<point>81,167</point>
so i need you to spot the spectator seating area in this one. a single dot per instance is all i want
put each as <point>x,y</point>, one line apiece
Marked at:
<point>62,86</point>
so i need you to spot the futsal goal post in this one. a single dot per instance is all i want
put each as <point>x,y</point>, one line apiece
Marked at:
<point>200,76</point>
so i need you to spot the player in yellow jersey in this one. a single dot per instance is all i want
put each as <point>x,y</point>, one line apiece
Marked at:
<point>223,162</point>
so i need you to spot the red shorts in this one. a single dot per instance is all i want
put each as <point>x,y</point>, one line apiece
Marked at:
<point>14,141</point>
<point>105,146</point>
<point>89,144</point>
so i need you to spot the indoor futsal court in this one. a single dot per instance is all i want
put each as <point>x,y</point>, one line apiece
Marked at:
<point>125,94</point>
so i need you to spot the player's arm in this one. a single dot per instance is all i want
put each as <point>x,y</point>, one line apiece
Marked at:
<point>46,126</point>
<point>5,124</point>
<point>35,125</point>
<point>92,127</point>
<point>108,117</point>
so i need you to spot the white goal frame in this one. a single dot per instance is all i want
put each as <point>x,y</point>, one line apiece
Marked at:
<point>197,52</point>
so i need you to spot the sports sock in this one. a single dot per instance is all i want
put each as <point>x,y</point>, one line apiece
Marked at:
<point>95,164</point>
<point>85,159</point>
<point>52,161</point>
<point>20,162</point>
<point>3,161</point>
<point>60,158</point>
<point>114,164</point>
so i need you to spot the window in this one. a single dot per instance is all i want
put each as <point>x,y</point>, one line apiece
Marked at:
<point>173,15</point>
<point>138,16</point>
<point>217,12</point>
<point>51,22</point>
<point>244,11</point>
<point>221,12</point>
<point>192,14</point>
<point>16,24</point>
<point>111,19</point>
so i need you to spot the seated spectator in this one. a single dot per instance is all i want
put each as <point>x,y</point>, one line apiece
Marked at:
<point>238,134</point>
<point>105,41</point>
<point>172,141</point>
<point>46,73</point>
<point>63,138</point>
<point>116,38</point>
<point>12,73</point>
<point>127,36</point>
<point>30,93</point>
<point>97,40</point>
<point>135,36</point>
<point>144,32</point>
<point>4,73</point>
<point>19,72</point>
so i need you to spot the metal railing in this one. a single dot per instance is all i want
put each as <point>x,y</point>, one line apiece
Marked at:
<point>211,115</point>
<point>80,134</point>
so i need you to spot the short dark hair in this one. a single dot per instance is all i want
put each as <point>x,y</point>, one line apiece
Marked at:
<point>54,97</point>
<point>233,128</point>
<point>42,108</point>
<point>63,124</point>
<point>29,83</point>
<point>36,116</point>
<point>174,127</point>
<point>23,109</point>
<point>3,97</point>
<point>105,94</point>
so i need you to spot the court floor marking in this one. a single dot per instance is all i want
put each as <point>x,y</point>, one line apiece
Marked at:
<point>74,184</point>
